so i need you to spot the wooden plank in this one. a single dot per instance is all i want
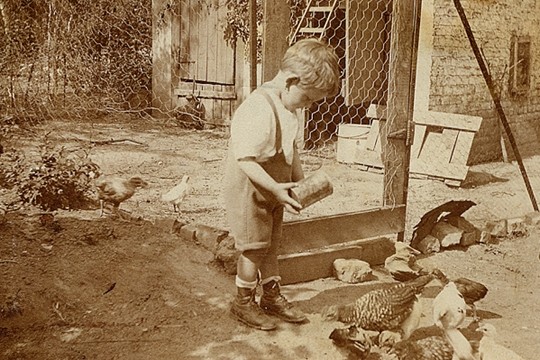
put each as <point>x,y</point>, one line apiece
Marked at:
<point>368,158</point>
<point>318,264</point>
<point>434,118</point>
<point>376,111</point>
<point>373,135</point>
<point>448,120</point>
<point>317,232</point>
<point>449,137</point>
<point>213,67</point>
<point>437,169</point>
<point>463,148</point>
<point>186,89</point>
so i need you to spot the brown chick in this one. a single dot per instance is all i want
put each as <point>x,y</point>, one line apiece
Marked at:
<point>354,340</point>
<point>429,348</point>
<point>471,290</point>
<point>389,308</point>
<point>114,190</point>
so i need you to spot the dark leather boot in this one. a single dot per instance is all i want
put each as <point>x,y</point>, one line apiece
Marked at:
<point>273,303</point>
<point>245,309</point>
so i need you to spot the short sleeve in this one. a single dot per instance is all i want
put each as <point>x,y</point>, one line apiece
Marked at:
<point>252,128</point>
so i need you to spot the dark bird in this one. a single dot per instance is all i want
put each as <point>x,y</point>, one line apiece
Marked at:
<point>471,290</point>
<point>114,190</point>
<point>392,308</point>
<point>428,221</point>
<point>429,348</point>
<point>356,341</point>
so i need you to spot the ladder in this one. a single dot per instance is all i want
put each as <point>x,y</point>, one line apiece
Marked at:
<point>310,22</point>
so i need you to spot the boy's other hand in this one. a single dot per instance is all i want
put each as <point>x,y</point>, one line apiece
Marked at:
<point>282,194</point>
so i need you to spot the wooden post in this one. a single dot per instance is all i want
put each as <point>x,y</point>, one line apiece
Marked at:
<point>276,27</point>
<point>396,131</point>
<point>162,56</point>
<point>252,44</point>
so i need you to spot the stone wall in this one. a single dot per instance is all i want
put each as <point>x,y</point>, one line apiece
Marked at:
<point>457,84</point>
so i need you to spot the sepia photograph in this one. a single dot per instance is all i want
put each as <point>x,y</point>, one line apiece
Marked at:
<point>269,179</point>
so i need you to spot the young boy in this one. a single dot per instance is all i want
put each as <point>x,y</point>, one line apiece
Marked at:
<point>262,165</point>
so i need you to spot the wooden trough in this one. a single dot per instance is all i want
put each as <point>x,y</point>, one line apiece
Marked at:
<point>310,246</point>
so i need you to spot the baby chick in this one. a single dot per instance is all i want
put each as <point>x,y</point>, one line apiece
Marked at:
<point>114,190</point>
<point>177,194</point>
<point>489,349</point>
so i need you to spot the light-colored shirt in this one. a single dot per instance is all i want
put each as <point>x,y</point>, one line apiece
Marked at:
<point>253,128</point>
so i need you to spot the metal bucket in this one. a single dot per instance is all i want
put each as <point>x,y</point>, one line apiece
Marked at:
<point>351,137</point>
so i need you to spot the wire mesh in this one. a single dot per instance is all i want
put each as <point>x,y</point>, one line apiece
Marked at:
<point>87,59</point>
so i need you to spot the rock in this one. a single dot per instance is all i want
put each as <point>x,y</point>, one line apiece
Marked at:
<point>471,234</point>
<point>209,236</point>
<point>429,244</point>
<point>447,234</point>
<point>498,228</point>
<point>227,255</point>
<point>533,218</point>
<point>352,270</point>
<point>485,237</point>
<point>516,227</point>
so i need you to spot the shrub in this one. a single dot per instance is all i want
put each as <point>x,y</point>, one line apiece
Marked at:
<point>60,180</point>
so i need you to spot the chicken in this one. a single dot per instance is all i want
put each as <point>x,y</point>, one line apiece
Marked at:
<point>356,341</point>
<point>461,346</point>
<point>402,265</point>
<point>429,348</point>
<point>177,194</point>
<point>449,307</point>
<point>471,290</point>
<point>488,349</point>
<point>392,308</point>
<point>114,190</point>
<point>428,221</point>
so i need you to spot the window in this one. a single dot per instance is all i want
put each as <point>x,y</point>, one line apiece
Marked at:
<point>520,65</point>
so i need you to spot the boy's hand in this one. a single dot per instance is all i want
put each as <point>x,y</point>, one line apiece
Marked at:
<point>282,194</point>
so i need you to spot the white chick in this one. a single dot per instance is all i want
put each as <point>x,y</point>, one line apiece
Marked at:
<point>449,307</point>
<point>488,349</point>
<point>177,194</point>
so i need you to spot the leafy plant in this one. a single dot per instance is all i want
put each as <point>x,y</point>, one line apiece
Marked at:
<point>60,180</point>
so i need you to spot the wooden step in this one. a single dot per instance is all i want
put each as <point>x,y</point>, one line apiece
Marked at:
<point>320,9</point>
<point>310,30</point>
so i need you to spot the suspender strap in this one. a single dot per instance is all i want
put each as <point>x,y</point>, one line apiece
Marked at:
<point>264,93</point>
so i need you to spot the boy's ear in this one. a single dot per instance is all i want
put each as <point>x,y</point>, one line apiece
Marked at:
<point>291,80</point>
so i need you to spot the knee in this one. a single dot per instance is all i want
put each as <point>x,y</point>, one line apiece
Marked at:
<point>256,256</point>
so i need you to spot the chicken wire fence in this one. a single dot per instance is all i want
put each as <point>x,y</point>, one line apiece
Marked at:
<point>87,59</point>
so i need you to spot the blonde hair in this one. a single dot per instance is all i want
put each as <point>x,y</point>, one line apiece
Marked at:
<point>315,63</point>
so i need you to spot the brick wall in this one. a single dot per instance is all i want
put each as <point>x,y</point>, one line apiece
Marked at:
<point>457,85</point>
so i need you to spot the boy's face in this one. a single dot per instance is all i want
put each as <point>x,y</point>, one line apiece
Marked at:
<point>297,97</point>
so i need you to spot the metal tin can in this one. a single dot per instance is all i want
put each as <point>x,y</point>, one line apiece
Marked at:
<point>313,188</point>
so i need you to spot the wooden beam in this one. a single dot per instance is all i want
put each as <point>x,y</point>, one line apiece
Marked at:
<point>303,235</point>
<point>401,87</point>
<point>205,94</point>
<point>307,266</point>
<point>276,27</point>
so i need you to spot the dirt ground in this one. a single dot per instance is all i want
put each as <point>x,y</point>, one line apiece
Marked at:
<point>100,288</point>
